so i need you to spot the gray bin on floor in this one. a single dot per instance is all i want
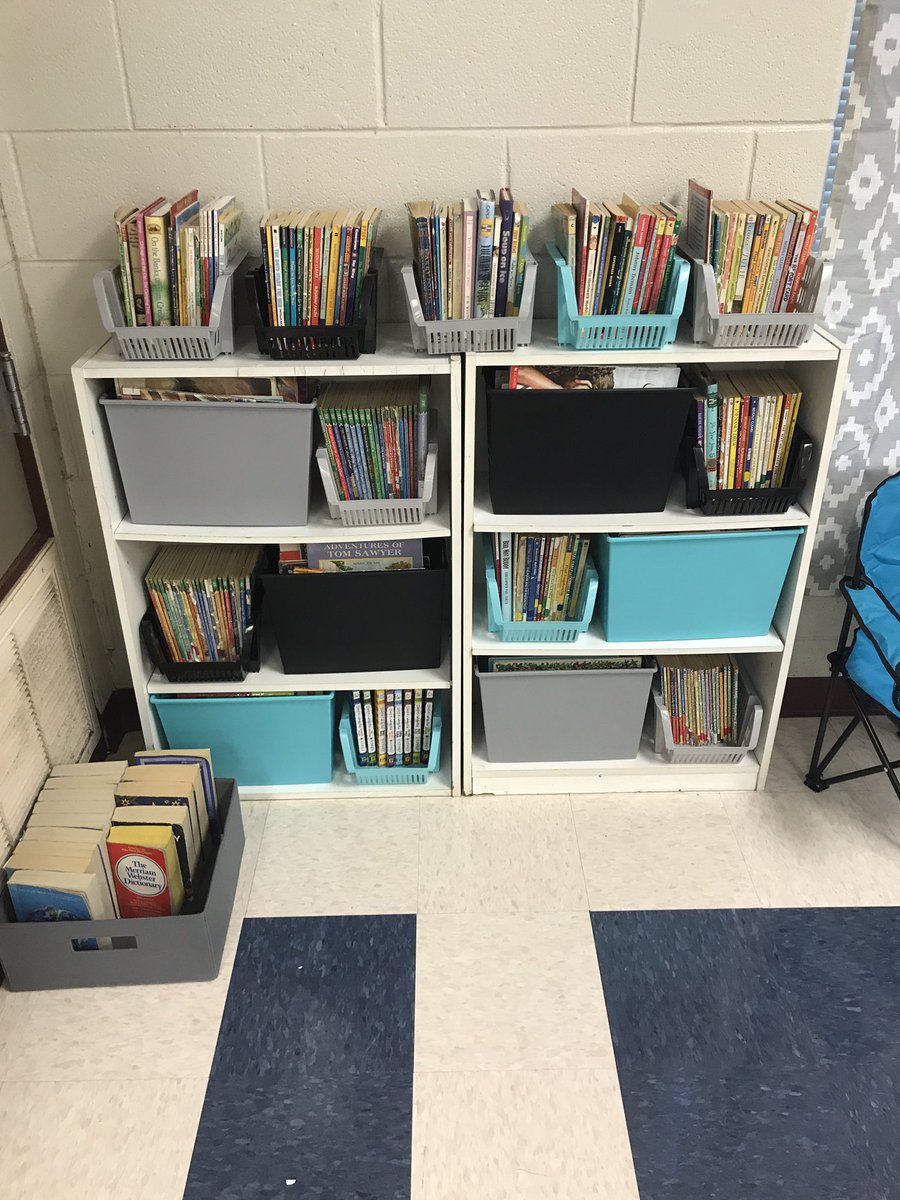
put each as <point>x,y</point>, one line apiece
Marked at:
<point>178,949</point>
<point>211,462</point>
<point>563,716</point>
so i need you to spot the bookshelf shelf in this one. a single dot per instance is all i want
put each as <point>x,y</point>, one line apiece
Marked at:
<point>131,546</point>
<point>819,366</point>
<point>320,528</point>
<point>675,518</point>
<point>271,678</point>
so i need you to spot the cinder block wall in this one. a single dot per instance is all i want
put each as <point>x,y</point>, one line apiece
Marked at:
<point>380,101</point>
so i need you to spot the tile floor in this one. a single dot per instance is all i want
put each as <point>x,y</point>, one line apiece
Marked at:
<point>525,1070</point>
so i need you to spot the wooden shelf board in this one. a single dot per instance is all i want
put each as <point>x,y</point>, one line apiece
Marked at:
<point>394,356</point>
<point>545,350</point>
<point>271,678</point>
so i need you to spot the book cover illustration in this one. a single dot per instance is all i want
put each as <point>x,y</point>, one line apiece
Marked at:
<point>402,554</point>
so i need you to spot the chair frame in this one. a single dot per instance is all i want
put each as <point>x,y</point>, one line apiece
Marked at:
<point>863,703</point>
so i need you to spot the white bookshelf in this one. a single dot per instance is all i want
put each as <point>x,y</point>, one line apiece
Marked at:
<point>130,547</point>
<point>819,367</point>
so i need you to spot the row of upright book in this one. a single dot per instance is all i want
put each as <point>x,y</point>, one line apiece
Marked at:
<point>393,727</point>
<point>539,576</point>
<point>170,255</point>
<point>470,255</point>
<point>108,840</point>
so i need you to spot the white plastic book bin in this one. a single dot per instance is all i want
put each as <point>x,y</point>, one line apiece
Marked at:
<point>462,337</point>
<point>381,512</point>
<point>664,744</point>
<point>158,343</point>
<point>757,330</point>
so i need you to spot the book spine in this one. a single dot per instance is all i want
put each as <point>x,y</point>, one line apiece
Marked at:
<point>417,728</point>
<point>506,576</point>
<point>754,266</point>
<point>520,263</point>
<point>650,246</point>
<point>172,256</point>
<point>424,267</point>
<point>739,224</point>
<point>743,443</point>
<point>144,268</point>
<point>438,264</point>
<point>485,258</point>
<point>134,266</point>
<point>621,268</point>
<point>333,265</point>
<point>347,248</point>
<point>125,274</point>
<point>743,267</point>
<point>653,264</point>
<point>495,266</point>
<point>407,728</point>
<point>381,727</point>
<point>390,734</point>
<point>801,262</point>
<point>398,728</point>
<point>427,722</point>
<point>666,296</point>
<point>665,251</point>
<point>711,429</point>
<point>504,256</point>
<point>295,261</point>
<point>359,722</point>
<point>634,266</point>
<point>277,275</point>
<point>470,218</point>
<point>355,278</point>
<point>369,723</point>
<point>787,238</point>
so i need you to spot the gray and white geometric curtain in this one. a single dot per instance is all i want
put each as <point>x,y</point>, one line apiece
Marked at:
<point>862,233</point>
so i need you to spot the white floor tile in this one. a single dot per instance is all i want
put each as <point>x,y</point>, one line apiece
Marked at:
<point>93,1141</point>
<point>337,857</point>
<point>649,850</point>
<point>520,1135</point>
<point>508,992</point>
<point>499,854</point>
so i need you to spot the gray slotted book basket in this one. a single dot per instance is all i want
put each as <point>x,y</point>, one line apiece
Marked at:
<point>157,343</point>
<point>461,337</point>
<point>757,330</point>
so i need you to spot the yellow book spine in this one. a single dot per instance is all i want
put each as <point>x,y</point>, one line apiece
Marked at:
<point>773,439</point>
<point>735,435</point>
<point>735,260</point>
<point>753,269</point>
<point>333,273</point>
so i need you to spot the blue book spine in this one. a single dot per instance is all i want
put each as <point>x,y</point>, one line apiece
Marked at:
<point>529,578</point>
<point>362,482</point>
<point>711,448</point>
<point>348,458</point>
<point>379,430</point>
<point>485,256</point>
<point>46,904</point>
<point>364,458</point>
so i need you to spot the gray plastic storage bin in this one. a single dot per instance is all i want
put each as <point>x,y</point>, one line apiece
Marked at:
<point>212,462</point>
<point>179,949</point>
<point>563,716</point>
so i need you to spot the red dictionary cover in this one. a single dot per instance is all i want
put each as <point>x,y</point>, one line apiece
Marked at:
<point>141,879</point>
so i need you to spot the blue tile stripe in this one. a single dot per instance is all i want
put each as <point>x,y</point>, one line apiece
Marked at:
<point>758,1050</point>
<point>310,1092</point>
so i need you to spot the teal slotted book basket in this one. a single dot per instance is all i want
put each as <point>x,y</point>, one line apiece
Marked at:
<point>630,332</point>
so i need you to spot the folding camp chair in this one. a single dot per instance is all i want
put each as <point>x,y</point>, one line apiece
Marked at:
<point>869,660</point>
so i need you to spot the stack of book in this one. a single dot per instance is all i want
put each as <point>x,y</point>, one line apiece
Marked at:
<point>470,255</point>
<point>170,256</point>
<point>376,437</point>
<point>397,555</point>
<point>706,699</point>
<point>296,390</point>
<point>393,728</point>
<point>540,576</point>
<point>106,840</point>
<point>745,426</point>
<point>622,255</point>
<point>499,665</point>
<point>202,599</point>
<point>315,263</point>
<point>758,250</point>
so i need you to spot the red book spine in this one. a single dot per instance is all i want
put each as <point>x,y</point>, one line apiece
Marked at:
<point>145,270</point>
<point>660,270</point>
<point>801,261</point>
<point>141,880</point>
<point>345,486</point>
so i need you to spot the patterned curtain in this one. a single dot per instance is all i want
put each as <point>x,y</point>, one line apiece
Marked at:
<point>862,233</point>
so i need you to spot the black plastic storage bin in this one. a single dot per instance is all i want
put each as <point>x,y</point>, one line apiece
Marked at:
<point>360,620</point>
<point>316,341</point>
<point>203,672</point>
<point>744,502</point>
<point>584,451</point>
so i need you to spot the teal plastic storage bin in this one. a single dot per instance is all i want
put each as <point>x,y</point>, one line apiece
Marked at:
<point>537,631</point>
<point>391,776</point>
<point>668,587</point>
<point>261,741</point>
<point>629,332</point>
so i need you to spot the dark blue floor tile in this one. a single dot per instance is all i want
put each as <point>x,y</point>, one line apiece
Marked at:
<point>687,989</point>
<point>321,996</point>
<point>346,1138</point>
<point>806,1133</point>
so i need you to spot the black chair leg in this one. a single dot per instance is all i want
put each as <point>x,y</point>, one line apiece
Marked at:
<point>886,764</point>
<point>817,764</point>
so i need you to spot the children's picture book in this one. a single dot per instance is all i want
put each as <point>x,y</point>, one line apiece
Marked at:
<point>401,554</point>
<point>591,377</point>
<point>278,389</point>
<point>625,663</point>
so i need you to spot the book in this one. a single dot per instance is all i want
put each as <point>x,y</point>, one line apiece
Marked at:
<point>123,214</point>
<point>202,759</point>
<point>504,261</point>
<point>177,818</point>
<point>146,871</point>
<point>51,835</point>
<point>110,768</point>
<point>392,555</point>
<point>539,576</point>
<point>169,784</point>
<point>143,282</point>
<point>604,663</point>
<point>59,896</point>
<point>157,224</point>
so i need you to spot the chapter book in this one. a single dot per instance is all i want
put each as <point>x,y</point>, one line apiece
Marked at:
<point>707,700</point>
<point>113,769</point>
<point>170,784</point>
<point>146,872</point>
<point>540,576</point>
<point>469,255</point>
<point>399,554</point>
<point>392,728</point>
<point>199,758</point>
<point>758,249</point>
<point>38,895</point>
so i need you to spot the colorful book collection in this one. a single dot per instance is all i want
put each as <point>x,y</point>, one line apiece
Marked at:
<point>315,263</point>
<point>107,840</point>
<point>170,255</point>
<point>202,599</point>
<point>758,250</point>
<point>376,437</point>
<point>393,728</point>
<point>540,576</point>
<point>279,390</point>
<point>470,255</point>
<point>706,699</point>
<point>622,255</point>
<point>619,663</point>
<point>745,426</point>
